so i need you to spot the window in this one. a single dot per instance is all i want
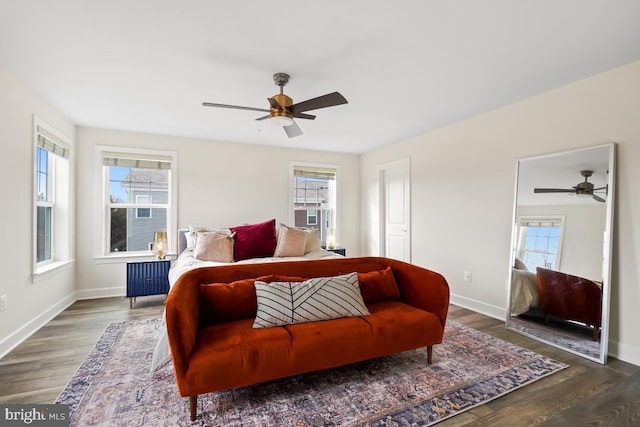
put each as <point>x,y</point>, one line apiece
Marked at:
<point>143,212</point>
<point>312,217</point>
<point>52,197</point>
<point>540,242</point>
<point>138,193</point>
<point>313,189</point>
<point>44,205</point>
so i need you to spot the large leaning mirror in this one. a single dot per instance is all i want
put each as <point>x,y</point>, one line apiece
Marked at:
<point>560,266</point>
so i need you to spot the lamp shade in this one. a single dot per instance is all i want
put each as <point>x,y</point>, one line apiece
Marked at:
<point>160,244</point>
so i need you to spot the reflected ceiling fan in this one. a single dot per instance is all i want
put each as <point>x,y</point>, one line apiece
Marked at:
<point>283,110</point>
<point>583,189</point>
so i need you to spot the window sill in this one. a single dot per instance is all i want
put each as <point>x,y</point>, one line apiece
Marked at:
<point>51,269</point>
<point>131,257</point>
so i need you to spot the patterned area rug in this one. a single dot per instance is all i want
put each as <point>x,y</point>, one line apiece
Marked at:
<point>114,387</point>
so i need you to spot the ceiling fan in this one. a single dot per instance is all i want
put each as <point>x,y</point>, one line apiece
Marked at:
<point>283,110</point>
<point>584,189</point>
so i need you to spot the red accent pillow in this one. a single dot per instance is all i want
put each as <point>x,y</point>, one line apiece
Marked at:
<point>225,302</point>
<point>255,240</point>
<point>378,285</point>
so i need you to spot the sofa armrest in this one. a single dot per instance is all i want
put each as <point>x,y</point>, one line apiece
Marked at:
<point>183,318</point>
<point>424,289</point>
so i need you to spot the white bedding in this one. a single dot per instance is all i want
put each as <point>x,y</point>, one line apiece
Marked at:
<point>186,262</point>
<point>524,292</point>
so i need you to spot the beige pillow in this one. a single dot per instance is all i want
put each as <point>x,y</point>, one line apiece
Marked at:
<point>313,240</point>
<point>190,235</point>
<point>291,242</point>
<point>214,246</point>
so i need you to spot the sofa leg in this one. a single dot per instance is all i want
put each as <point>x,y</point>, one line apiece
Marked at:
<point>193,406</point>
<point>429,354</point>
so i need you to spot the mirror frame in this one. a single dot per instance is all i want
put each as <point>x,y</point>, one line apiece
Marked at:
<point>607,252</point>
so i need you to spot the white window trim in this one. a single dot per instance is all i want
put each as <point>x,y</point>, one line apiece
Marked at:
<point>336,216</point>
<point>61,230</point>
<point>101,252</point>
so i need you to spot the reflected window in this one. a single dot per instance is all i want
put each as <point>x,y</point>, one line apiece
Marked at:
<point>540,242</point>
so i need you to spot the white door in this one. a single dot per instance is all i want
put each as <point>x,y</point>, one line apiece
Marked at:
<point>395,210</point>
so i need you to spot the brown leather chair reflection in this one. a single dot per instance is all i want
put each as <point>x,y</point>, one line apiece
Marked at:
<point>570,297</point>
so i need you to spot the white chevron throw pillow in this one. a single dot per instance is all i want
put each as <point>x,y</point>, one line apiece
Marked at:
<point>322,298</point>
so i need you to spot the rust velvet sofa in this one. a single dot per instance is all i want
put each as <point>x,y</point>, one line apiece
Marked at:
<point>210,313</point>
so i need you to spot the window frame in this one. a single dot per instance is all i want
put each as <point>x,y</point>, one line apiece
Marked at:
<point>103,203</point>
<point>59,197</point>
<point>334,219</point>
<point>48,202</point>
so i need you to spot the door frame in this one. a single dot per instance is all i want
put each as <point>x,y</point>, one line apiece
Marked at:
<point>404,163</point>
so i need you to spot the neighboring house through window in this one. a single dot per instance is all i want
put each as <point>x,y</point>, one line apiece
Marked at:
<point>540,241</point>
<point>314,195</point>
<point>52,231</point>
<point>143,212</point>
<point>138,198</point>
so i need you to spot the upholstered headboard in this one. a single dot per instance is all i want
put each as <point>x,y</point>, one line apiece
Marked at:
<point>182,240</point>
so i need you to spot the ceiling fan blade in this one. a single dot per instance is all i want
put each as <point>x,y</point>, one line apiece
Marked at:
<point>292,130</point>
<point>268,116</point>
<point>274,104</point>
<point>235,107</point>
<point>304,116</point>
<point>598,198</point>
<point>328,100</point>
<point>554,190</point>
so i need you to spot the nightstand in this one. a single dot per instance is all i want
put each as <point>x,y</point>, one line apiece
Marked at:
<point>147,278</point>
<point>338,250</point>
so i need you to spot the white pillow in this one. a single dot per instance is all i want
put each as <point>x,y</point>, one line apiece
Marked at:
<point>291,242</point>
<point>316,299</point>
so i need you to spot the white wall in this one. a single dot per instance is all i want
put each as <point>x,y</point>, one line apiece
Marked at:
<point>219,184</point>
<point>29,305</point>
<point>583,234</point>
<point>462,186</point>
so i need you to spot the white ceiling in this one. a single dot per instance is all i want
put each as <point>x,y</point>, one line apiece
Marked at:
<point>406,67</point>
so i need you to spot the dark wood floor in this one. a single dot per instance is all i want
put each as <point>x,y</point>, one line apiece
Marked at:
<point>585,394</point>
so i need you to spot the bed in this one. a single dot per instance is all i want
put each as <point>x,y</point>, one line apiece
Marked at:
<point>283,243</point>
<point>556,294</point>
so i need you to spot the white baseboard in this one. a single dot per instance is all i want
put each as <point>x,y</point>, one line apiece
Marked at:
<point>17,337</point>
<point>626,353</point>
<point>496,312</point>
<point>119,291</point>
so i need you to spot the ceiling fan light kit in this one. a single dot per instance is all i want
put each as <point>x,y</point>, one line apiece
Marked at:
<point>282,110</point>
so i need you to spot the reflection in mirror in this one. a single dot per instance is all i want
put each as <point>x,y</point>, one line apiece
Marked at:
<point>561,252</point>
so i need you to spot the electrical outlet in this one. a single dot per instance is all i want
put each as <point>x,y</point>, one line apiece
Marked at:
<point>3,302</point>
<point>467,276</point>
